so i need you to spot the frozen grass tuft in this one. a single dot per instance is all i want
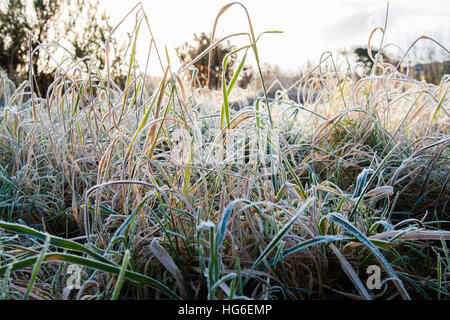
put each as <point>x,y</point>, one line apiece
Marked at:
<point>161,190</point>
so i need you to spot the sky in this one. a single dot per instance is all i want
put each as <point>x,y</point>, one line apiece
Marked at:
<point>310,27</point>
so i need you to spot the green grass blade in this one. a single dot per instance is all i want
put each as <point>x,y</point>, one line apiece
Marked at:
<point>281,233</point>
<point>238,70</point>
<point>54,241</point>
<point>372,178</point>
<point>223,224</point>
<point>64,257</point>
<point>121,277</point>
<point>339,219</point>
<point>36,267</point>
<point>230,276</point>
<point>312,242</point>
<point>361,182</point>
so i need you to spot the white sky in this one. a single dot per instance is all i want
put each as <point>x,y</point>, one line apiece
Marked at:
<point>310,27</point>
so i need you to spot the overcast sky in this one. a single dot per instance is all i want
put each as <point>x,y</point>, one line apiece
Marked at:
<point>310,26</point>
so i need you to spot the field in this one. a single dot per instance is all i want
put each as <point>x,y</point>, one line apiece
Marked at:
<point>162,190</point>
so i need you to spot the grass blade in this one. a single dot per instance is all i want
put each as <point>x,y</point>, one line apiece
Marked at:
<point>339,219</point>
<point>63,257</point>
<point>116,291</point>
<point>36,267</point>
<point>281,233</point>
<point>54,241</point>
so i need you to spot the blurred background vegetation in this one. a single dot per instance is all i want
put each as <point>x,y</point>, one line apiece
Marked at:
<point>430,71</point>
<point>78,27</point>
<point>46,26</point>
